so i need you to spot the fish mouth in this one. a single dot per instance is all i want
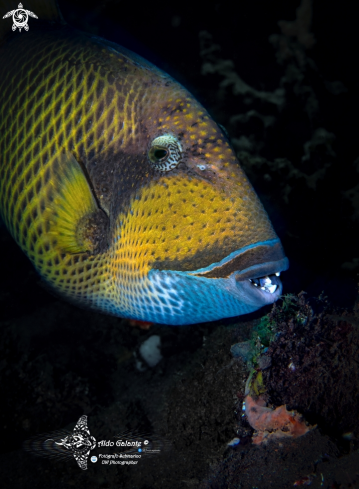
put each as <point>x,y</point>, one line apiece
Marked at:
<point>268,283</point>
<point>253,271</point>
<point>242,282</point>
<point>262,283</point>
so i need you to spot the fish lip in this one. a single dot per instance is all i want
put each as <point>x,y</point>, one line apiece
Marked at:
<point>248,260</point>
<point>262,269</point>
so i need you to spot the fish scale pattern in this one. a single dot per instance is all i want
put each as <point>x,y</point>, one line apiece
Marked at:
<point>167,227</point>
<point>175,219</point>
<point>51,102</point>
<point>69,94</point>
<point>61,103</point>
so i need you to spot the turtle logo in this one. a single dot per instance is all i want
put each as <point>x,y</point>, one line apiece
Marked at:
<point>20,17</point>
<point>80,442</point>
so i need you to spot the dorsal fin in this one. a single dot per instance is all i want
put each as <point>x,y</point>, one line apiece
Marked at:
<point>47,10</point>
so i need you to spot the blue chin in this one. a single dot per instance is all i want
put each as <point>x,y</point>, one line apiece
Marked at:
<point>180,298</point>
<point>197,296</point>
<point>185,299</point>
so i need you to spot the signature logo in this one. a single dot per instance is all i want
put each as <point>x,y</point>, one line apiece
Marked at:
<point>80,442</point>
<point>20,16</point>
<point>77,444</point>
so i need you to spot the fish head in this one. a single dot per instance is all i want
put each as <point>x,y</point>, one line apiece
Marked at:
<point>191,241</point>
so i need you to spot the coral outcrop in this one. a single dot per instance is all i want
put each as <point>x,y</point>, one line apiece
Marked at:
<point>273,423</point>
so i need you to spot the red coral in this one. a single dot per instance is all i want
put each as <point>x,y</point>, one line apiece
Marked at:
<point>273,423</point>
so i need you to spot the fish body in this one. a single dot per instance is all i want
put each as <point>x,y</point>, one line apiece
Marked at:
<point>121,189</point>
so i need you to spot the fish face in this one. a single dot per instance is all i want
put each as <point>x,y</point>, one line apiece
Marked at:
<point>195,243</point>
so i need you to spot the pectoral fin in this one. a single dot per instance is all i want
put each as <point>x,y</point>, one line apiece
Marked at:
<point>76,223</point>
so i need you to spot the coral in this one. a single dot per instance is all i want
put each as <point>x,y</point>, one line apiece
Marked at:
<point>268,423</point>
<point>320,137</point>
<point>292,132</point>
<point>273,423</point>
<point>354,263</point>
<point>249,351</point>
<point>302,355</point>
<point>353,195</point>
<point>295,35</point>
<point>300,27</point>
<point>294,93</point>
<point>214,64</point>
<point>314,363</point>
<point>287,174</point>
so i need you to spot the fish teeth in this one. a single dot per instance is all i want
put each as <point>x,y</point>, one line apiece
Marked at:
<point>277,274</point>
<point>270,288</point>
<point>265,281</point>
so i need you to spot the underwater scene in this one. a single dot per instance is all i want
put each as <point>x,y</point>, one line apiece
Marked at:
<point>179,210</point>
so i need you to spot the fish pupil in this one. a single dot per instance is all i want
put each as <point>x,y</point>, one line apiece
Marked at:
<point>159,154</point>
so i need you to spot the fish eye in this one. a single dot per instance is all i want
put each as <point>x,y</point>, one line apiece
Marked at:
<point>158,154</point>
<point>165,152</point>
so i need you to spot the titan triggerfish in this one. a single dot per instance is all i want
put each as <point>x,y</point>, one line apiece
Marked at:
<point>118,185</point>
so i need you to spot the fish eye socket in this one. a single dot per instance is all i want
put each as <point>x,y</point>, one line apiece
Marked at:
<point>165,152</point>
